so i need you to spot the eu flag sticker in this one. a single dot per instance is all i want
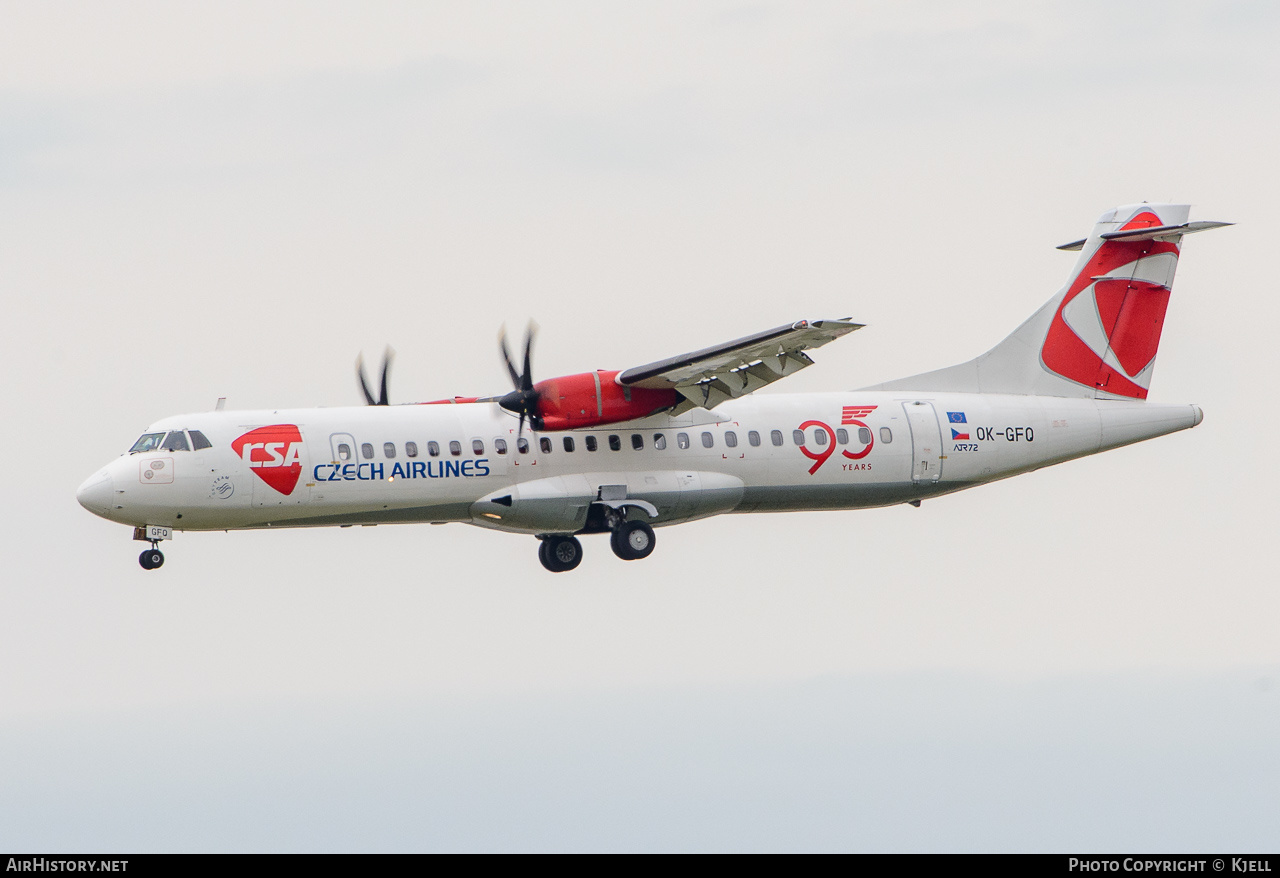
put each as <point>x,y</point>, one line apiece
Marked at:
<point>956,417</point>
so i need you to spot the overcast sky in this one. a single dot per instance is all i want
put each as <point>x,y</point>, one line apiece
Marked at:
<point>206,200</point>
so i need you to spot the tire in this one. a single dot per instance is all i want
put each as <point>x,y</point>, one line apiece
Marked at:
<point>560,554</point>
<point>151,559</point>
<point>632,541</point>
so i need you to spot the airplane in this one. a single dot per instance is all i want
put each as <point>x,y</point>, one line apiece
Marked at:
<point>685,438</point>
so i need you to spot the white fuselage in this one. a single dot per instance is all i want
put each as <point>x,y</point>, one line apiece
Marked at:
<point>358,466</point>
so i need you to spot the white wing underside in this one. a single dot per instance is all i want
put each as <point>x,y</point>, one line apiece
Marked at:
<point>727,371</point>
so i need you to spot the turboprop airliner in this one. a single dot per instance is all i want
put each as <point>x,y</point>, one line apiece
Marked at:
<point>623,452</point>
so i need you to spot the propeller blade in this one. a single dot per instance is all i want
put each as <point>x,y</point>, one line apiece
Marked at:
<point>383,394</point>
<point>364,384</point>
<point>387,356</point>
<point>506,357</point>
<point>526,382</point>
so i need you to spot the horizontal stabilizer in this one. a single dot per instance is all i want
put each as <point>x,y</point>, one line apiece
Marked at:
<point>1159,233</point>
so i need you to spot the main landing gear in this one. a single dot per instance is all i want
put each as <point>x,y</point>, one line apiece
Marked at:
<point>630,541</point>
<point>560,553</point>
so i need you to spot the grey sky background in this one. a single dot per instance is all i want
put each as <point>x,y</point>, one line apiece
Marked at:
<point>233,201</point>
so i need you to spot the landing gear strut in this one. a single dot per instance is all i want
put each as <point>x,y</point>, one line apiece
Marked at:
<point>632,540</point>
<point>151,558</point>
<point>560,553</point>
<point>153,534</point>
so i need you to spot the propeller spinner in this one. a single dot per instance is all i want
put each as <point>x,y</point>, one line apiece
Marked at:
<point>525,398</point>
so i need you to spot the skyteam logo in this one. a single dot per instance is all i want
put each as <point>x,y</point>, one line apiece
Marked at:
<point>274,454</point>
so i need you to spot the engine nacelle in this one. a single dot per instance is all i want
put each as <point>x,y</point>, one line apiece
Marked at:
<point>596,398</point>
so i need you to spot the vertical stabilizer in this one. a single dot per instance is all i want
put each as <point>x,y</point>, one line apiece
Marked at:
<point>1099,335</point>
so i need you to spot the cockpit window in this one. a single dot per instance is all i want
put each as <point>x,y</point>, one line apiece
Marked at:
<point>147,442</point>
<point>198,441</point>
<point>176,441</point>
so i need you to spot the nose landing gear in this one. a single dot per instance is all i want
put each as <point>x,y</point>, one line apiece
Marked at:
<point>151,558</point>
<point>153,534</point>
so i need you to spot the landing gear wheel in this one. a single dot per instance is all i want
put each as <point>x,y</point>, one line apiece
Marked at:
<point>151,559</point>
<point>560,554</point>
<point>632,541</point>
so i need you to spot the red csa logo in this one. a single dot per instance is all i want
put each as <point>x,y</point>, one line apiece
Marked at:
<point>274,454</point>
<point>1106,331</point>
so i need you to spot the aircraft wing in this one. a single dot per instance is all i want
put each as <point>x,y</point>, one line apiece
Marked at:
<point>726,371</point>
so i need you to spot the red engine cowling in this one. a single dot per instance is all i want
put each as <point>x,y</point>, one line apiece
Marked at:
<point>596,398</point>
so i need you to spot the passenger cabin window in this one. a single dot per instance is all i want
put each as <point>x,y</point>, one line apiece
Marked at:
<point>176,441</point>
<point>797,436</point>
<point>775,436</point>
<point>433,448</point>
<point>411,449</point>
<point>544,442</point>
<point>731,439</point>
<point>590,442</point>
<point>615,442</point>
<point>842,436</point>
<point>500,446</point>
<point>682,440</point>
<point>147,442</point>
<point>344,451</point>
<point>455,447</point>
<point>660,441</point>
<point>708,441</point>
<point>820,436</point>
<point>366,451</point>
<point>637,442</point>
<point>199,442</point>
<point>568,443</point>
<point>886,435</point>
<point>754,438</point>
<point>864,435</point>
<point>389,450</point>
<point>477,446</point>
<point>522,445</point>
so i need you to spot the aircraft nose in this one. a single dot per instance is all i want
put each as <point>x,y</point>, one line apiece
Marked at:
<point>96,493</point>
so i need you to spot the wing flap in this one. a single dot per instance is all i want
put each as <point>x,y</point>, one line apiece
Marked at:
<point>726,371</point>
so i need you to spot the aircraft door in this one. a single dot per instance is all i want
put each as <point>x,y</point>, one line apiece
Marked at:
<point>926,442</point>
<point>342,446</point>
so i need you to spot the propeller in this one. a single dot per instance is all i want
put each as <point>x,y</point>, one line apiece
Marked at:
<point>524,399</point>
<point>387,357</point>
